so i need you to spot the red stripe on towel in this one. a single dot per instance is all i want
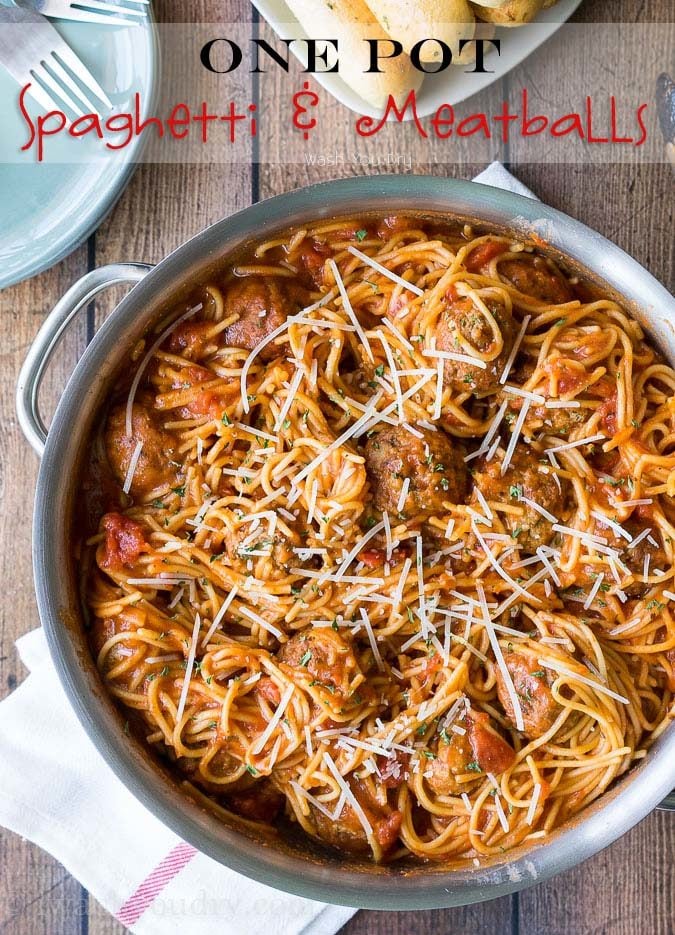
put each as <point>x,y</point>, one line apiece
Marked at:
<point>155,882</point>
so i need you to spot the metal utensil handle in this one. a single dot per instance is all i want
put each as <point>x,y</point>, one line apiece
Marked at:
<point>668,804</point>
<point>50,334</point>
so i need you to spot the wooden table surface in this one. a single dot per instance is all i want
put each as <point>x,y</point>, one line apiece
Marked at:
<point>628,888</point>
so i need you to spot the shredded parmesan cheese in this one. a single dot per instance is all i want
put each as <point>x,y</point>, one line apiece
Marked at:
<point>385,272</point>
<point>348,794</point>
<point>219,616</point>
<point>515,434</point>
<point>562,670</point>
<point>514,349</point>
<point>259,745</point>
<point>261,622</point>
<point>499,658</point>
<point>347,306</point>
<point>192,652</point>
<point>131,470</point>
<point>536,792</point>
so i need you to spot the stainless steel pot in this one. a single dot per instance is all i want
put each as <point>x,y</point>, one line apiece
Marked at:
<point>294,865</point>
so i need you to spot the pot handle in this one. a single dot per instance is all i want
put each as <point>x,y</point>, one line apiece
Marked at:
<point>48,337</point>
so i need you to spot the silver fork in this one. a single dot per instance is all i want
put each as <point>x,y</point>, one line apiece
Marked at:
<point>33,52</point>
<point>87,11</point>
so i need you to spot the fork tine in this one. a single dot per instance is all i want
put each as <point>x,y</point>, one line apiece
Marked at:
<point>39,95</point>
<point>112,19</point>
<point>63,75</point>
<point>80,70</point>
<point>145,4</point>
<point>109,8</point>
<point>45,78</point>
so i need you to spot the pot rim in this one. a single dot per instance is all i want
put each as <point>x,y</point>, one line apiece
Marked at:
<point>611,815</point>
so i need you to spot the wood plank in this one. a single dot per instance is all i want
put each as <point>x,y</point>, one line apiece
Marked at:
<point>22,310</point>
<point>36,895</point>
<point>629,205</point>
<point>493,918</point>
<point>629,888</point>
<point>625,11</point>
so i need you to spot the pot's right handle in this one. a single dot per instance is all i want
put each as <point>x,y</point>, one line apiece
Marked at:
<point>48,337</point>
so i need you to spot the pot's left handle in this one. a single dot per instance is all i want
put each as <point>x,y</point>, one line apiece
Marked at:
<point>48,337</point>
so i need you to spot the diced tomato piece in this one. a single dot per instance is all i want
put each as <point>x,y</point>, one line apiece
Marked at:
<point>267,688</point>
<point>206,404</point>
<point>608,414</point>
<point>124,541</point>
<point>481,255</point>
<point>644,512</point>
<point>394,224</point>
<point>569,375</point>
<point>492,753</point>
<point>387,829</point>
<point>393,769</point>
<point>372,557</point>
<point>313,260</point>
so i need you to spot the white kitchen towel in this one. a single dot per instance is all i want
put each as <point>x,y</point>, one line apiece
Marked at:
<point>57,791</point>
<point>500,177</point>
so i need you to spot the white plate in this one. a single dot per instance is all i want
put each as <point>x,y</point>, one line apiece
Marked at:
<point>48,208</point>
<point>450,87</point>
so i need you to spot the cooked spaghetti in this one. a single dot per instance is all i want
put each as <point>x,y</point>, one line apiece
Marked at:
<point>380,540</point>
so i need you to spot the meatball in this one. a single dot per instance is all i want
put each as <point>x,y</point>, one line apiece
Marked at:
<point>433,465</point>
<point>260,803</point>
<point>324,656</point>
<point>634,559</point>
<point>558,422</point>
<point>261,306</point>
<point>453,757</point>
<point>558,376</point>
<point>480,749</point>
<point>240,542</point>
<point>462,323</point>
<point>207,402</point>
<point>217,773</point>
<point>346,831</point>
<point>534,276</point>
<point>191,340</point>
<point>530,681</point>
<point>524,477</point>
<point>153,468</point>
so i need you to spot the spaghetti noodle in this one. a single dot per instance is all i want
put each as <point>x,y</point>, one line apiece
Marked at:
<point>381,538</point>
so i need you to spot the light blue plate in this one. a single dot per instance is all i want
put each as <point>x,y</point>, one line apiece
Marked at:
<point>47,209</point>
